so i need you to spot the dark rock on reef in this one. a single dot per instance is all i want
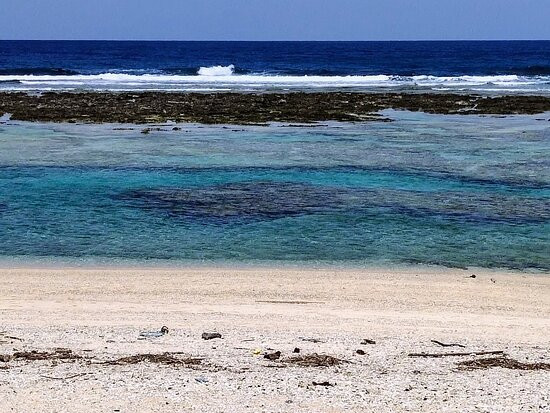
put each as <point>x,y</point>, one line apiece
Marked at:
<point>250,108</point>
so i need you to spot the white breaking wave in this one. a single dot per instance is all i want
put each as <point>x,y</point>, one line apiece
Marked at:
<point>224,78</point>
<point>216,71</point>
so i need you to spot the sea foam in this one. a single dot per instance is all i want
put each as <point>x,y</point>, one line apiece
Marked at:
<point>224,77</point>
<point>216,71</point>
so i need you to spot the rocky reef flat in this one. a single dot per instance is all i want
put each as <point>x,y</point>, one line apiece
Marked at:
<point>250,108</point>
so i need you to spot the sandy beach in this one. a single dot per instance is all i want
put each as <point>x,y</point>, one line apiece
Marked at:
<point>84,325</point>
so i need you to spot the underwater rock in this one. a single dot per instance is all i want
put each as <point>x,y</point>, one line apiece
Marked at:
<point>267,200</point>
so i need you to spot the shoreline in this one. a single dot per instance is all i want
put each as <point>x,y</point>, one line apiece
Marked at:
<point>49,263</point>
<point>252,108</point>
<point>96,316</point>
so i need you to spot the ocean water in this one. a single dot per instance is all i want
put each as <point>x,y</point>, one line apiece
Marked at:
<point>458,191</point>
<point>481,67</point>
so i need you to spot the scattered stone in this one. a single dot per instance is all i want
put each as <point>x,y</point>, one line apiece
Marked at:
<point>360,352</point>
<point>367,341</point>
<point>273,356</point>
<point>323,383</point>
<point>473,276</point>
<point>296,350</point>
<point>211,336</point>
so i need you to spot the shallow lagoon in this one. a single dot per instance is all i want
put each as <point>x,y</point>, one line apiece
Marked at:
<point>424,189</point>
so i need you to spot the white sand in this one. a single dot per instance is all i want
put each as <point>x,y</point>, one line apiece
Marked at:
<point>98,313</point>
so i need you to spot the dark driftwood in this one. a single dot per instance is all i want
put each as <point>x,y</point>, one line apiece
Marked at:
<point>64,378</point>
<point>14,338</point>
<point>312,340</point>
<point>323,383</point>
<point>472,353</point>
<point>448,345</point>
<point>288,302</point>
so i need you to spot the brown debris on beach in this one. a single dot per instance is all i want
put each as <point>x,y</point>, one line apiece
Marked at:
<point>503,362</point>
<point>164,358</point>
<point>314,360</point>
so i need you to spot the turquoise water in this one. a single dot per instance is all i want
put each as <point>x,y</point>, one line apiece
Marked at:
<point>424,189</point>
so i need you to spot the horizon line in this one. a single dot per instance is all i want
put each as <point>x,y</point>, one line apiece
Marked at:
<point>274,41</point>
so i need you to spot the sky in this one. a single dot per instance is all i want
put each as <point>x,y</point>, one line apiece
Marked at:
<point>275,19</point>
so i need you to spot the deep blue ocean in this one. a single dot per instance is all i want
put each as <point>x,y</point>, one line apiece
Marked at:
<point>451,190</point>
<point>482,66</point>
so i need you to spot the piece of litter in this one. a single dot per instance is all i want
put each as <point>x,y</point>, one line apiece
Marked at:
<point>201,379</point>
<point>154,334</point>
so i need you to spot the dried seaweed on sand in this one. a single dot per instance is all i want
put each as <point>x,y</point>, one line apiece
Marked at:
<point>57,354</point>
<point>314,360</point>
<point>503,362</point>
<point>164,358</point>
